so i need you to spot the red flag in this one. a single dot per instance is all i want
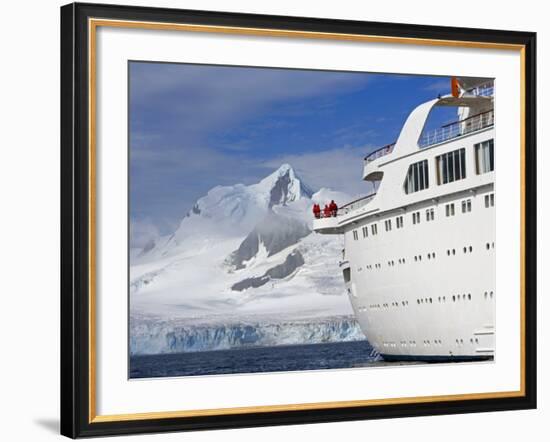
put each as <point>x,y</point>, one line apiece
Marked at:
<point>454,87</point>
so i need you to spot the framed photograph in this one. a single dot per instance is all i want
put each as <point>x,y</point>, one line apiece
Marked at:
<point>274,220</point>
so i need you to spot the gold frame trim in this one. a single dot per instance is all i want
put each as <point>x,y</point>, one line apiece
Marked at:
<point>93,24</point>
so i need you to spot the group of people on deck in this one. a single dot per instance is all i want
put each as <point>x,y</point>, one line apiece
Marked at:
<point>330,209</point>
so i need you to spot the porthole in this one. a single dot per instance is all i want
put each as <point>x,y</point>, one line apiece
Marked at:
<point>470,249</point>
<point>469,296</point>
<point>448,252</point>
<point>454,298</point>
<point>487,246</point>
<point>464,249</point>
<point>453,251</point>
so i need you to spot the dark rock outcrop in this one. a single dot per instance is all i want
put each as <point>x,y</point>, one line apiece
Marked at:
<point>275,232</point>
<point>292,262</point>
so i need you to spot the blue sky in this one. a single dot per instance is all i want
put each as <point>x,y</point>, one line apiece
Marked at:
<point>193,127</point>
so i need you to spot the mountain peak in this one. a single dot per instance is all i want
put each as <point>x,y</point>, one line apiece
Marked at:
<point>284,186</point>
<point>285,167</point>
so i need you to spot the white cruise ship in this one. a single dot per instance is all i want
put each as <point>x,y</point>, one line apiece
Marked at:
<point>419,257</point>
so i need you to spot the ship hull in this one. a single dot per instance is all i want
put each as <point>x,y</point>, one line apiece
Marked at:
<point>426,292</point>
<point>433,358</point>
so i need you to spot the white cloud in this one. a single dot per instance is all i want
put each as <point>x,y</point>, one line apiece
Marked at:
<point>142,232</point>
<point>339,169</point>
<point>204,99</point>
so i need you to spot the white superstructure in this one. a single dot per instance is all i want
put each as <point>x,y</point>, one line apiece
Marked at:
<point>419,257</point>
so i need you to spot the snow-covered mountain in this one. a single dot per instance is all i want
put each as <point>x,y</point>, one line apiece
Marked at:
<point>244,256</point>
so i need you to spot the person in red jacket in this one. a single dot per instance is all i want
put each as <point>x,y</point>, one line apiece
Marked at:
<point>333,208</point>
<point>317,211</point>
<point>326,211</point>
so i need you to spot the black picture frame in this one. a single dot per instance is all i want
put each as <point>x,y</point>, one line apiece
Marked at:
<point>76,401</point>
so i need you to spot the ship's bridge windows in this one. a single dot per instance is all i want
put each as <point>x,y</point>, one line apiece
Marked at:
<point>430,214</point>
<point>490,200</point>
<point>417,177</point>
<point>416,217</point>
<point>399,222</point>
<point>450,209</point>
<point>365,231</point>
<point>451,166</point>
<point>355,235</point>
<point>388,225</point>
<point>485,157</point>
<point>374,229</point>
<point>466,206</point>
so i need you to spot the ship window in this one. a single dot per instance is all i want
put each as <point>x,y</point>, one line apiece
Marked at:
<point>347,274</point>
<point>355,236</point>
<point>365,232</point>
<point>374,229</point>
<point>388,225</point>
<point>430,214</point>
<point>485,157</point>
<point>466,206</point>
<point>490,200</point>
<point>399,222</point>
<point>449,209</point>
<point>451,166</point>
<point>417,177</point>
<point>416,217</point>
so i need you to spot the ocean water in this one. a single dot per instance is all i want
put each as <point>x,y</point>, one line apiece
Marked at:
<point>254,360</point>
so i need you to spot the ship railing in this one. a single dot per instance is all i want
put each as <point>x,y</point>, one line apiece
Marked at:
<point>384,150</point>
<point>481,91</point>
<point>356,204</point>
<point>458,129</point>
<point>349,207</point>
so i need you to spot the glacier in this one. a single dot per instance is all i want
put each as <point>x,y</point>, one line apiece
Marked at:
<point>158,336</point>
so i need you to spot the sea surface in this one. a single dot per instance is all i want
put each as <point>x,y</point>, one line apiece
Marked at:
<point>255,360</point>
